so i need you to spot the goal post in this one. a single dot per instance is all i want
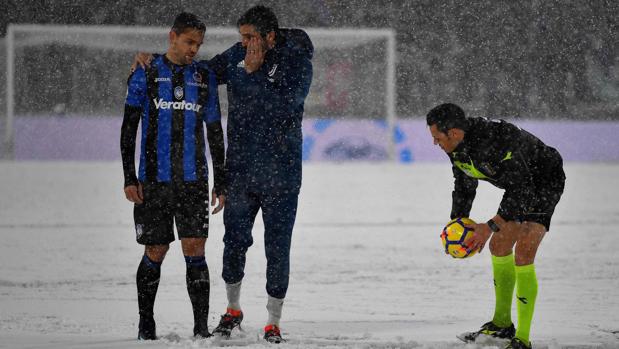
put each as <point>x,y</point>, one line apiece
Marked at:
<point>81,71</point>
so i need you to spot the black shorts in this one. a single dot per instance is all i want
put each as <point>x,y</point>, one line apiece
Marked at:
<point>549,188</point>
<point>166,203</point>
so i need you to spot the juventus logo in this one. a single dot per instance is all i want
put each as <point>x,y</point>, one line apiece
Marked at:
<point>273,70</point>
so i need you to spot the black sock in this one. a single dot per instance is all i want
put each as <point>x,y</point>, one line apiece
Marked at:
<point>198,287</point>
<point>147,280</point>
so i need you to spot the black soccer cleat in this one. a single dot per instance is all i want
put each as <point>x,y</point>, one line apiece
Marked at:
<point>203,334</point>
<point>517,343</point>
<point>229,321</point>
<point>147,328</point>
<point>272,334</point>
<point>200,330</point>
<point>489,329</point>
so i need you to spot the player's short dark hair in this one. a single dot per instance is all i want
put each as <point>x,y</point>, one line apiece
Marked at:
<point>186,21</point>
<point>260,17</point>
<point>447,116</point>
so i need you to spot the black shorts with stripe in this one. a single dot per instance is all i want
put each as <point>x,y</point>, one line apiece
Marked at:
<point>183,203</point>
<point>549,188</point>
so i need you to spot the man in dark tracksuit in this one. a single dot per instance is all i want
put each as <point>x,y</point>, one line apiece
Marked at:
<point>268,76</point>
<point>173,99</point>
<point>532,175</point>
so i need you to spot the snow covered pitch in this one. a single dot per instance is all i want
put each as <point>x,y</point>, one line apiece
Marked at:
<point>368,267</point>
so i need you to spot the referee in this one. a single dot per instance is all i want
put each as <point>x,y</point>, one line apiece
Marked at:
<point>171,98</point>
<point>531,173</point>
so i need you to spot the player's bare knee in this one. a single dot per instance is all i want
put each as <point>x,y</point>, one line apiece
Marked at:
<point>500,246</point>
<point>524,254</point>
<point>502,243</point>
<point>528,243</point>
<point>156,253</point>
<point>193,246</point>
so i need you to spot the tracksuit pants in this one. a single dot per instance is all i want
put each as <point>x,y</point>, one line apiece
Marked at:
<point>278,213</point>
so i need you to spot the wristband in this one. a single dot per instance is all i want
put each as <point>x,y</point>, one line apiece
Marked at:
<point>493,226</point>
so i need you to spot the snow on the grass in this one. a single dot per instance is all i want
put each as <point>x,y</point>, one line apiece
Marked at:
<point>368,270</point>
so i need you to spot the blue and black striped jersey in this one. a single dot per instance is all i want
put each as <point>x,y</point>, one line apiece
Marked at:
<point>174,101</point>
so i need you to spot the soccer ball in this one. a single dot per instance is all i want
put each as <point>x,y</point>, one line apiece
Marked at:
<point>454,236</point>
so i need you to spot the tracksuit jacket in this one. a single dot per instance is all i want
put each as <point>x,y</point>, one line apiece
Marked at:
<point>265,113</point>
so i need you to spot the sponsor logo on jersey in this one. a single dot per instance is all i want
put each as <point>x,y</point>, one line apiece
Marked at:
<point>201,85</point>
<point>163,80</point>
<point>182,105</point>
<point>179,92</point>
<point>273,70</point>
<point>241,64</point>
<point>197,81</point>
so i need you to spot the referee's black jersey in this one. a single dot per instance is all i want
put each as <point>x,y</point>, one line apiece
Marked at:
<point>171,101</point>
<point>508,157</point>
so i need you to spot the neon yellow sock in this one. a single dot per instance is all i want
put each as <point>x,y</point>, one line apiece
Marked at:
<point>526,292</point>
<point>504,281</point>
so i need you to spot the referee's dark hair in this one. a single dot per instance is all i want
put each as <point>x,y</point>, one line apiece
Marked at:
<point>447,116</point>
<point>185,21</point>
<point>260,17</point>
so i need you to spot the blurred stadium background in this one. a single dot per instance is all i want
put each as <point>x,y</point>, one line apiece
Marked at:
<point>548,62</point>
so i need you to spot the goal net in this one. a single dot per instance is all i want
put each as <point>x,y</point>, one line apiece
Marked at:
<point>57,71</point>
